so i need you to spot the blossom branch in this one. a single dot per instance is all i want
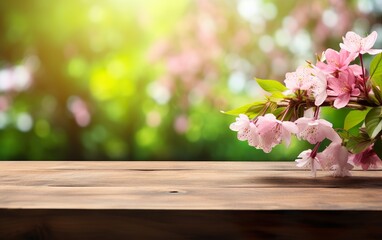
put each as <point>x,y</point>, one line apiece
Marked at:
<point>355,103</point>
<point>332,82</point>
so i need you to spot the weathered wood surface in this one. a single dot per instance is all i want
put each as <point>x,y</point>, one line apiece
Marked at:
<point>190,200</point>
<point>183,185</point>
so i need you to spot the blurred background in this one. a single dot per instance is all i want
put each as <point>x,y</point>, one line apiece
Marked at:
<point>146,80</point>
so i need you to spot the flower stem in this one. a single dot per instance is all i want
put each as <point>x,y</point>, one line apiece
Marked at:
<point>263,111</point>
<point>316,113</point>
<point>356,103</point>
<point>285,113</point>
<point>315,150</point>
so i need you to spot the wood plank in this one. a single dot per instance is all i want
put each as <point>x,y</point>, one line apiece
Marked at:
<point>185,200</point>
<point>178,224</point>
<point>177,185</point>
<point>201,178</point>
<point>144,165</point>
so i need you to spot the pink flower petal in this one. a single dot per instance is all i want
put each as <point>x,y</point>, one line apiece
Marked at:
<point>288,128</point>
<point>374,51</point>
<point>368,42</point>
<point>341,101</point>
<point>345,58</point>
<point>331,134</point>
<point>366,159</point>
<point>305,160</point>
<point>356,69</point>
<point>355,44</point>
<point>315,131</point>
<point>253,136</point>
<point>241,126</point>
<point>351,42</point>
<point>332,56</point>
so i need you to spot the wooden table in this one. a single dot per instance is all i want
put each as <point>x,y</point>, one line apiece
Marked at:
<point>185,200</point>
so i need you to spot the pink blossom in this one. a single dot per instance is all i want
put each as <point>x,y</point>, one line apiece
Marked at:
<point>366,159</point>
<point>318,87</point>
<point>355,44</point>
<point>343,88</point>
<point>241,126</point>
<point>316,130</point>
<point>253,136</point>
<point>309,113</point>
<point>300,79</point>
<point>335,157</point>
<point>338,62</point>
<point>356,69</point>
<point>306,160</point>
<point>272,131</point>
<point>311,80</point>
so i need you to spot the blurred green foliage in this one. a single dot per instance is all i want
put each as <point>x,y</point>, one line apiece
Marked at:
<point>146,80</point>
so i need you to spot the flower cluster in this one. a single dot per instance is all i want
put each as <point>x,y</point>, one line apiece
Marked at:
<point>338,79</point>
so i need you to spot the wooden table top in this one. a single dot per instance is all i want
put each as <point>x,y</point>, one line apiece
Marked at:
<point>182,186</point>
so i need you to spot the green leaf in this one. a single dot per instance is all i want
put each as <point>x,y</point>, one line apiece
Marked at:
<point>376,67</point>
<point>254,110</point>
<point>277,96</point>
<point>378,147</point>
<point>343,134</point>
<point>248,109</point>
<point>373,122</point>
<point>377,129</point>
<point>271,86</point>
<point>376,76</point>
<point>272,107</point>
<point>359,143</point>
<point>278,111</point>
<point>354,118</point>
<point>377,97</point>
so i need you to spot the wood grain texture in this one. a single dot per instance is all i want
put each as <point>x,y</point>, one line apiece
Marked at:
<point>185,200</point>
<point>183,186</point>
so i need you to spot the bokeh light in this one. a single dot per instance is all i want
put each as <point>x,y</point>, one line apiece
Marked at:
<point>146,80</point>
